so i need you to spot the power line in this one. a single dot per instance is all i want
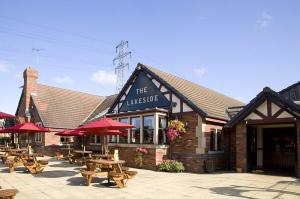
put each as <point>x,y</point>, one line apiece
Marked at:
<point>119,69</point>
<point>51,40</point>
<point>54,57</point>
<point>57,30</point>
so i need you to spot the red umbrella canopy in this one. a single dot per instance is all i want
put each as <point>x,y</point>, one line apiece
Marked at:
<point>6,116</point>
<point>75,132</point>
<point>24,128</point>
<point>102,132</point>
<point>105,124</point>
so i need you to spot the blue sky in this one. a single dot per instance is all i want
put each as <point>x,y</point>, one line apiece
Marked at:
<point>234,47</point>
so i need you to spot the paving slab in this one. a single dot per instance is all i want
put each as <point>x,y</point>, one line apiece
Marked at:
<point>61,180</point>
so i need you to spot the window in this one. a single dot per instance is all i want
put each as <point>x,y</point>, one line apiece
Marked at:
<point>38,137</point>
<point>112,138</point>
<point>94,139</point>
<point>215,140</point>
<point>135,132</point>
<point>148,129</point>
<point>212,140</point>
<point>123,137</point>
<point>64,140</point>
<point>162,126</point>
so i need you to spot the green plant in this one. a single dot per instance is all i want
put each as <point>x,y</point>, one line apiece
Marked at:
<point>4,140</point>
<point>171,166</point>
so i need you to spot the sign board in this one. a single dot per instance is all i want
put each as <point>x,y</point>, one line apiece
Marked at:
<point>142,95</point>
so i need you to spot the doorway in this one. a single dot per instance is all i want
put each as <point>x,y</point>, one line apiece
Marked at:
<point>279,149</point>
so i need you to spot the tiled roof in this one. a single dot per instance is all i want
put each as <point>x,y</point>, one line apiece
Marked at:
<point>212,103</point>
<point>101,109</point>
<point>62,108</point>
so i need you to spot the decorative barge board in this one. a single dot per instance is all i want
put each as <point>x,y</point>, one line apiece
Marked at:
<point>266,134</point>
<point>150,98</point>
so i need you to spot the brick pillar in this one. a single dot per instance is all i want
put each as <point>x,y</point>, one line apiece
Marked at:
<point>241,147</point>
<point>30,76</point>
<point>298,148</point>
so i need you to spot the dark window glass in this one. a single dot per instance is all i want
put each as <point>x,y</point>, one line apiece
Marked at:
<point>219,141</point>
<point>162,126</point>
<point>212,140</point>
<point>135,132</point>
<point>148,129</point>
<point>123,137</point>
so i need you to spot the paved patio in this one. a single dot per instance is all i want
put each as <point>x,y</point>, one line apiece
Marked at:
<point>62,180</point>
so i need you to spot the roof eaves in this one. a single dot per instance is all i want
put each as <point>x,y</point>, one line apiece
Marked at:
<point>85,120</point>
<point>255,102</point>
<point>38,111</point>
<point>289,87</point>
<point>173,90</point>
<point>19,103</point>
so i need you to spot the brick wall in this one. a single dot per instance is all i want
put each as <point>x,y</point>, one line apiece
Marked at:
<point>189,141</point>
<point>150,161</point>
<point>241,147</point>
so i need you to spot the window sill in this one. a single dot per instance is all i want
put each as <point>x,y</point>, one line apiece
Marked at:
<point>157,146</point>
<point>95,144</point>
<point>215,152</point>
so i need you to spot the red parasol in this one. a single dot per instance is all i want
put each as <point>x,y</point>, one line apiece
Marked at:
<point>75,132</point>
<point>6,116</point>
<point>105,124</point>
<point>25,128</point>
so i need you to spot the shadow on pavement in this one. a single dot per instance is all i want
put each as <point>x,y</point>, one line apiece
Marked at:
<point>55,174</point>
<point>237,191</point>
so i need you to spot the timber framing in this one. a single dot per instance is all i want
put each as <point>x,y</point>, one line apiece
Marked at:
<point>142,69</point>
<point>271,97</point>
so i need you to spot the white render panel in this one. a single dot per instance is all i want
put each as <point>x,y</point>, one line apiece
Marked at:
<point>275,108</point>
<point>175,99</point>
<point>263,108</point>
<point>123,97</point>
<point>128,89</point>
<point>285,114</point>
<point>167,96</point>
<point>186,108</point>
<point>164,89</point>
<point>157,84</point>
<point>253,116</point>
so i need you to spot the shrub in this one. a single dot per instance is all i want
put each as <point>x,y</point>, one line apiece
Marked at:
<point>4,140</point>
<point>171,166</point>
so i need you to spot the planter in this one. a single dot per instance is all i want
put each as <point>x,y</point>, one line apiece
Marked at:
<point>239,170</point>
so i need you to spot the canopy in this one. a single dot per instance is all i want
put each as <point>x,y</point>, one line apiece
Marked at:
<point>25,128</point>
<point>6,116</point>
<point>103,132</point>
<point>75,132</point>
<point>105,124</point>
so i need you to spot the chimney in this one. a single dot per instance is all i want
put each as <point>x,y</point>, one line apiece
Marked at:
<point>30,76</point>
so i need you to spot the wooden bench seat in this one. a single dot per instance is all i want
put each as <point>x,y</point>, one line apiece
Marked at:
<point>58,155</point>
<point>119,178</point>
<point>36,166</point>
<point>130,174</point>
<point>90,174</point>
<point>8,193</point>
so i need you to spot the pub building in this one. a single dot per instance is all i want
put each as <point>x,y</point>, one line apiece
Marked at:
<point>221,132</point>
<point>150,99</point>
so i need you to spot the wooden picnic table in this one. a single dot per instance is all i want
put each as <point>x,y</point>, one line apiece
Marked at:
<point>115,165</point>
<point>80,156</point>
<point>102,156</point>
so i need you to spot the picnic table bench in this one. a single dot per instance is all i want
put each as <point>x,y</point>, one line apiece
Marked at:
<point>98,167</point>
<point>79,156</point>
<point>8,193</point>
